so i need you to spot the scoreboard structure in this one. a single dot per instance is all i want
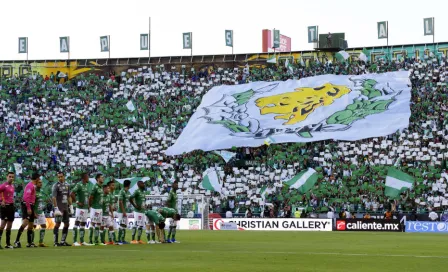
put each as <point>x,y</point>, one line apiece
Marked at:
<point>331,41</point>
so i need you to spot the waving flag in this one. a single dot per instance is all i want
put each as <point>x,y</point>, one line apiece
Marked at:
<point>303,181</point>
<point>317,108</point>
<point>210,181</point>
<point>397,182</point>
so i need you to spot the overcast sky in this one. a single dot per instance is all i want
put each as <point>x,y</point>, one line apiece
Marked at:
<point>85,20</point>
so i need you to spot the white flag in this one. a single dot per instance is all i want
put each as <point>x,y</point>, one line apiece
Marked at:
<point>362,57</point>
<point>397,182</point>
<point>130,106</point>
<point>226,155</point>
<point>272,59</point>
<point>211,181</point>
<point>18,168</point>
<point>342,56</point>
<point>337,107</point>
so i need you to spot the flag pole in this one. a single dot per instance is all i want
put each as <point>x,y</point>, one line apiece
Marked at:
<point>434,34</point>
<point>149,41</point>
<point>273,41</point>
<point>387,27</point>
<point>109,47</point>
<point>68,74</point>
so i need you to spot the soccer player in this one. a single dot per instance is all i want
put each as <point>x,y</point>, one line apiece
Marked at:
<point>173,218</point>
<point>108,215</point>
<point>29,198</point>
<point>62,204</point>
<point>171,202</point>
<point>80,195</point>
<point>137,200</point>
<point>113,200</point>
<point>157,222</point>
<point>123,200</point>
<point>40,215</point>
<point>7,208</point>
<point>96,207</point>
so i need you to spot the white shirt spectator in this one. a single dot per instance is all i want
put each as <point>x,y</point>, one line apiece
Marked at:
<point>433,216</point>
<point>231,204</point>
<point>348,214</point>
<point>229,214</point>
<point>190,214</point>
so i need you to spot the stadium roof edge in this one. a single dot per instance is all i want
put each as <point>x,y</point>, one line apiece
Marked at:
<point>216,58</point>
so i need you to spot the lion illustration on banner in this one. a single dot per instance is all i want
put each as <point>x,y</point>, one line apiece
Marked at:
<point>295,107</point>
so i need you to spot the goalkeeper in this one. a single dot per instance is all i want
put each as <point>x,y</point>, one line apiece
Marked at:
<point>173,218</point>
<point>62,203</point>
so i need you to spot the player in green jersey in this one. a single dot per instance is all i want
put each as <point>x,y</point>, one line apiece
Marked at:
<point>39,211</point>
<point>114,200</point>
<point>107,217</point>
<point>173,217</point>
<point>157,223</point>
<point>123,200</point>
<point>96,207</point>
<point>80,196</point>
<point>137,200</point>
<point>171,202</point>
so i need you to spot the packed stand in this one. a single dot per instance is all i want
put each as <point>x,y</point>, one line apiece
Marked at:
<point>120,125</point>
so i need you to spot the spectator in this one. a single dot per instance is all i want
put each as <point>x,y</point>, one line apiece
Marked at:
<point>433,216</point>
<point>229,214</point>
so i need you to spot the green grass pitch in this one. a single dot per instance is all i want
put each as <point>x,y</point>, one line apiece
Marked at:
<point>244,251</point>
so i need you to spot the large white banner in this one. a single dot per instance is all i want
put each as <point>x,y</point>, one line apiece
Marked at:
<point>311,109</point>
<point>283,224</point>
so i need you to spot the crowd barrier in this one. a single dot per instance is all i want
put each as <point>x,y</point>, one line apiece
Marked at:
<point>292,224</point>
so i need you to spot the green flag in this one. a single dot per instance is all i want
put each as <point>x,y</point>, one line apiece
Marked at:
<point>211,181</point>
<point>397,182</point>
<point>303,181</point>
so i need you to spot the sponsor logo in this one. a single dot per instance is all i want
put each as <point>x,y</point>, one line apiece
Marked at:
<point>193,224</point>
<point>368,225</point>
<point>340,225</point>
<point>276,224</point>
<point>426,226</point>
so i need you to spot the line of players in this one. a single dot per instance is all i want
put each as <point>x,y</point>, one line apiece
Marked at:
<point>101,202</point>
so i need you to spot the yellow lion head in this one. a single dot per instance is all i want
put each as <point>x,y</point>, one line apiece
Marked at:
<point>296,106</point>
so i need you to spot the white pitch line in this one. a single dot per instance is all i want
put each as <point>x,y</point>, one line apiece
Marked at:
<point>266,252</point>
<point>341,254</point>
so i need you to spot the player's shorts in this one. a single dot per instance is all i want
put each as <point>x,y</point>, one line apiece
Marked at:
<point>7,212</point>
<point>148,222</point>
<point>65,218</point>
<point>40,219</point>
<point>81,215</point>
<point>139,219</point>
<point>172,222</point>
<point>96,215</point>
<point>122,220</point>
<point>107,222</point>
<point>25,214</point>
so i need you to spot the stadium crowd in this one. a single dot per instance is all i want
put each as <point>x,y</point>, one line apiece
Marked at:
<point>120,125</point>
